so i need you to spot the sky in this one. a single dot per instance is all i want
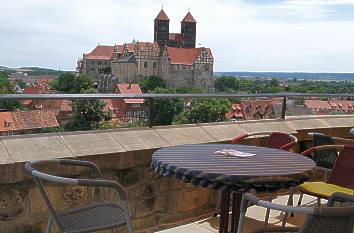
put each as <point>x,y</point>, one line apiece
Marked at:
<point>244,35</point>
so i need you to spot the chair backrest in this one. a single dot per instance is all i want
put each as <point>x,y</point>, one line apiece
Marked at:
<point>39,177</point>
<point>328,224</point>
<point>343,170</point>
<point>324,158</point>
<point>278,139</point>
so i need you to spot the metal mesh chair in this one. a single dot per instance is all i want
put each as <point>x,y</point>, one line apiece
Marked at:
<point>276,140</point>
<point>89,218</point>
<point>319,220</point>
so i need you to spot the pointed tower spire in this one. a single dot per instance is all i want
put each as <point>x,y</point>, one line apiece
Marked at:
<point>162,15</point>
<point>189,18</point>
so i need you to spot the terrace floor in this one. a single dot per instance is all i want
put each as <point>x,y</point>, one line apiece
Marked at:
<point>255,218</point>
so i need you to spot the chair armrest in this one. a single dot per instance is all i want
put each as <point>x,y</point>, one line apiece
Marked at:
<point>105,184</point>
<point>238,138</point>
<point>341,197</point>
<point>288,146</point>
<point>308,152</point>
<point>248,197</point>
<point>72,162</point>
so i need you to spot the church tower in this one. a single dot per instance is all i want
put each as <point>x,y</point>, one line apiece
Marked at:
<point>188,31</point>
<point>161,29</point>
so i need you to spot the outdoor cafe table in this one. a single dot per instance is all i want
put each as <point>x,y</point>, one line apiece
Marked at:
<point>267,171</point>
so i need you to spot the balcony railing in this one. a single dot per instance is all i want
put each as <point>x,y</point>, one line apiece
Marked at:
<point>149,98</point>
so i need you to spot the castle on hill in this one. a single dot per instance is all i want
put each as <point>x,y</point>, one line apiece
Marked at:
<point>172,56</point>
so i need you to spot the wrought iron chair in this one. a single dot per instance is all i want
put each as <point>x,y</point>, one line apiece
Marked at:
<point>93,217</point>
<point>276,140</point>
<point>341,178</point>
<point>319,220</point>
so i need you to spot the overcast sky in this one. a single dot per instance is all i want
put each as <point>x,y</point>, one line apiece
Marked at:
<point>244,35</point>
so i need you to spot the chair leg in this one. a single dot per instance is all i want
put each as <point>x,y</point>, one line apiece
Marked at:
<point>267,213</point>
<point>49,224</point>
<point>300,199</point>
<point>217,208</point>
<point>318,201</point>
<point>290,203</point>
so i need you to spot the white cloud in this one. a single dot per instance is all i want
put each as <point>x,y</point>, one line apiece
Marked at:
<point>255,35</point>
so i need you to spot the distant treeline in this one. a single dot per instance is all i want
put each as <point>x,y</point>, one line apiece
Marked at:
<point>231,84</point>
<point>290,75</point>
<point>36,71</point>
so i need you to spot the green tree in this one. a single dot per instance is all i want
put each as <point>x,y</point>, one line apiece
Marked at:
<point>64,83</point>
<point>87,115</point>
<point>274,82</point>
<point>82,83</point>
<point>21,83</point>
<point>226,82</point>
<point>164,110</point>
<point>150,83</point>
<point>202,111</point>
<point>7,88</point>
<point>71,83</point>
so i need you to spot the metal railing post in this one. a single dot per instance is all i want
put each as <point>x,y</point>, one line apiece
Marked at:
<point>283,108</point>
<point>149,114</point>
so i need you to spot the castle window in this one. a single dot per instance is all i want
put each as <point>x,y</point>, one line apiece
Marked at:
<point>163,28</point>
<point>99,62</point>
<point>154,64</point>
<point>145,64</point>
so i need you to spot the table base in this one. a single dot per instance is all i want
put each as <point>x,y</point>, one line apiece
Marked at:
<point>225,208</point>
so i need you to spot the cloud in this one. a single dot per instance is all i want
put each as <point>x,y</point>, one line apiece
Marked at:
<point>278,35</point>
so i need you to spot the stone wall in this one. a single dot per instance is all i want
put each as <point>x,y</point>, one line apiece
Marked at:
<point>124,155</point>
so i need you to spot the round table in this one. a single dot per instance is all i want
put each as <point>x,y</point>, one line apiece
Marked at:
<point>268,170</point>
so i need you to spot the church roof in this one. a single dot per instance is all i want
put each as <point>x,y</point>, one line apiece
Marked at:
<point>162,15</point>
<point>101,52</point>
<point>189,18</point>
<point>184,56</point>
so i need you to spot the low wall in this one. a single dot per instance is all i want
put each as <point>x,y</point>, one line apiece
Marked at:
<point>124,155</point>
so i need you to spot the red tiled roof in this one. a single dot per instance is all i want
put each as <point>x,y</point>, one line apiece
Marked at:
<point>263,108</point>
<point>317,104</point>
<point>342,105</point>
<point>236,112</point>
<point>37,89</point>
<point>184,56</point>
<point>124,88</point>
<point>162,16</point>
<point>59,105</point>
<point>175,36</point>
<point>142,45</point>
<point>6,122</point>
<point>34,119</point>
<point>189,18</point>
<point>24,120</point>
<point>101,52</point>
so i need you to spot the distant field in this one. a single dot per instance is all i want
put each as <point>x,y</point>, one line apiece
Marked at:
<point>286,75</point>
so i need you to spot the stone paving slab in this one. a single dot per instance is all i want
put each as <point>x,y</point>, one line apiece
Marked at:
<point>268,127</point>
<point>140,140</point>
<point>34,148</point>
<point>254,218</point>
<point>307,124</point>
<point>184,135</point>
<point>223,132</point>
<point>92,144</point>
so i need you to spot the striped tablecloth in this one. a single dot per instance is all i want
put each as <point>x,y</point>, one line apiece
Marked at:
<point>268,170</point>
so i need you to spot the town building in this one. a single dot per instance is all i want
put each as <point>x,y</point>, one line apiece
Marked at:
<point>24,122</point>
<point>187,67</point>
<point>172,56</point>
<point>323,107</point>
<point>134,61</point>
<point>94,63</point>
<point>126,109</point>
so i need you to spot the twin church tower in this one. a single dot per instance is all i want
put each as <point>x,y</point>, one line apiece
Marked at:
<point>163,37</point>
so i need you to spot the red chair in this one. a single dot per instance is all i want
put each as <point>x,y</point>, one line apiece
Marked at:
<point>276,140</point>
<point>341,178</point>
